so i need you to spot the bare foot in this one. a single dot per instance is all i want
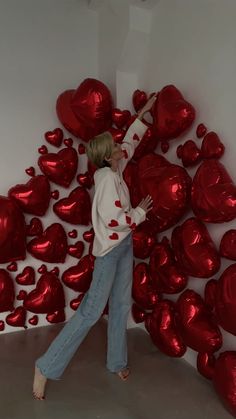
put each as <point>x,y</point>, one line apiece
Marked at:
<point>39,385</point>
<point>124,374</point>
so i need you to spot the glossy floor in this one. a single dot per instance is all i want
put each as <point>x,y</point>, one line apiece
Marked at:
<point>159,387</point>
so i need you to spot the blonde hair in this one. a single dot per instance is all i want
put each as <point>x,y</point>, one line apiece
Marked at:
<point>100,147</point>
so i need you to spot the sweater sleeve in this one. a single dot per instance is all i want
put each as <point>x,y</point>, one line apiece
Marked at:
<point>131,140</point>
<point>110,209</point>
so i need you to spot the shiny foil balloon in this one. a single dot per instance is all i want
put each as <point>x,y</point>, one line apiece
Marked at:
<point>51,246</point>
<point>54,137</point>
<point>144,239</point>
<point>74,304</point>
<point>17,318</point>
<point>173,115</point>
<point>26,277</point>
<point>34,197</point>
<point>189,153</point>
<point>201,130</point>
<point>194,249</point>
<point>164,331</point>
<point>79,277</point>
<point>92,105</point>
<point>76,209</point>
<point>169,186</point>
<point>117,134</point>
<point>76,250</point>
<point>130,175</point>
<point>119,117</point>
<point>213,193</point>
<point>138,313</point>
<point>35,227</point>
<point>7,291</point>
<point>85,179</point>
<point>143,291</point>
<point>139,99</point>
<point>225,304</point>
<point>169,278</point>
<point>212,147</point>
<point>224,380</point>
<point>12,231</point>
<point>147,144</point>
<point>210,294</point>
<point>228,245</point>
<point>47,297</point>
<point>197,325</point>
<point>57,317</point>
<point>60,167</point>
<point>206,364</point>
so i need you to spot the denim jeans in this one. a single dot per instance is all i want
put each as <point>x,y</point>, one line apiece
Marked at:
<point>112,279</point>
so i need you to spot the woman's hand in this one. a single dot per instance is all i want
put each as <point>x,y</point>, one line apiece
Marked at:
<point>147,107</point>
<point>146,204</point>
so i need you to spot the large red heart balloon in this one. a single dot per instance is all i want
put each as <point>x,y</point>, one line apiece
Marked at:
<point>225,302</point>
<point>12,231</point>
<point>139,99</point>
<point>60,167</point>
<point>164,330</point>
<point>224,380</point>
<point>198,327</point>
<point>79,277</point>
<point>17,317</point>
<point>143,291</point>
<point>7,292</point>
<point>213,193</point>
<point>144,239</point>
<point>130,176</point>
<point>34,197</point>
<point>147,144</point>
<point>92,105</point>
<point>228,245</point>
<point>169,186</point>
<point>51,246</point>
<point>173,115</point>
<point>76,209</point>
<point>194,249</point>
<point>47,297</point>
<point>168,276</point>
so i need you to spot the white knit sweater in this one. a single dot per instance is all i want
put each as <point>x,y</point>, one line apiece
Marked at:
<point>112,216</point>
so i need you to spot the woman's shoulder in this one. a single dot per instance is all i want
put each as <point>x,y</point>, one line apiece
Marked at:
<point>103,174</point>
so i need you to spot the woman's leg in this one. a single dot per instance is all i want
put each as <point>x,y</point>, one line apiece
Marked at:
<point>119,307</point>
<point>54,361</point>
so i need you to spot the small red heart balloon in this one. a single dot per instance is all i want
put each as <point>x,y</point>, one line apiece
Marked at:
<point>34,197</point>
<point>60,167</point>
<point>42,269</point>
<point>143,290</point>
<point>189,153</point>
<point>55,194</point>
<point>212,147</point>
<point>73,234</point>
<point>88,236</point>
<point>35,228</point>
<point>206,364</point>
<point>76,250</point>
<point>201,130</point>
<point>54,137</point>
<point>139,99</point>
<point>117,134</point>
<point>47,297</point>
<point>120,118</point>
<point>7,292</point>
<point>17,318</point>
<point>12,267</point>
<point>27,277</point>
<point>76,209</point>
<point>30,171</point>
<point>138,314</point>
<point>43,150</point>
<point>228,245</point>
<point>34,320</point>
<point>21,295</point>
<point>2,325</point>
<point>74,304</point>
<point>79,277</point>
<point>81,149</point>
<point>85,179</point>
<point>51,246</point>
<point>68,142</point>
<point>56,317</point>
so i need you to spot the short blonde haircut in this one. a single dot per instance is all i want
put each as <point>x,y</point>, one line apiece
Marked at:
<point>100,147</point>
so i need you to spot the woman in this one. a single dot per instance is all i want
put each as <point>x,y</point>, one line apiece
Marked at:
<point>113,220</point>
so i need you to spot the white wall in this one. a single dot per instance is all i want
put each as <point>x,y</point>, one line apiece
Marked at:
<point>46,47</point>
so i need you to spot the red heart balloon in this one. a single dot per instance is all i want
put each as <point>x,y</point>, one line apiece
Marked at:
<point>43,150</point>
<point>34,197</point>
<point>35,228</point>
<point>22,295</point>
<point>42,269</point>
<point>27,277</point>
<point>12,231</point>
<point>81,149</point>
<point>17,318</point>
<point>138,314</point>
<point>54,137</point>
<point>56,317</point>
<point>143,291</point>
<point>60,167</point>
<point>74,304</point>
<point>51,246</point>
<point>120,118</point>
<point>206,364</point>
<point>79,277</point>
<point>144,239</point>
<point>210,294</point>
<point>194,249</point>
<point>47,297</point>
<point>2,325</point>
<point>201,130</point>
<point>12,267</point>
<point>212,147</point>
<point>164,331</point>
<point>228,245</point>
<point>130,176</point>
<point>73,234</point>
<point>168,276</point>
<point>34,320</point>
<point>189,153</point>
<point>169,186</point>
<point>7,292</point>
<point>139,99</point>
<point>76,209</point>
<point>85,179</point>
<point>55,194</point>
<point>30,171</point>
<point>55,271</point>
<point>88,236</point>
<point>76,250</point>
<point>198,327</point>
<point>68,142</point>
<point>224,379</point>
<point>213,193</point>
<point>165,145</point>
<point>225,301</point>
<point>147,144</point>
<point>117,134</point>
<point>172,114</point>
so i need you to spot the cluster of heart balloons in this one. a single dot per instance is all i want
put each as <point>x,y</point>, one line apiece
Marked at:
<point>191,321</point>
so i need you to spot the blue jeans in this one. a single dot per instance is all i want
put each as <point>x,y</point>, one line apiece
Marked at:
<point>112,279</point>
